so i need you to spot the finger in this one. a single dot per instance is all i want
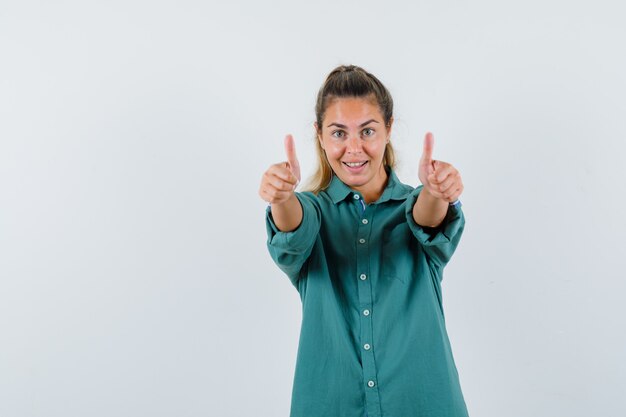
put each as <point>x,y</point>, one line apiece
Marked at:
<point>434,192</point>
<point>450,182</point>
<point>452,197</point>
<point>458,192</point>
<point>290,150</point>
<point>280,184</point>
<point>273,191</point>
<point>427,151</point>
<point>432,178</point>
<point>272,195</point>
<point>448,195</point>
<point>282,171</point>
<point>443,170</point>
<point>270,180</point>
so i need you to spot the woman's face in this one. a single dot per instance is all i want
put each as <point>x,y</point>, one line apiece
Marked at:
<point>354,137</point>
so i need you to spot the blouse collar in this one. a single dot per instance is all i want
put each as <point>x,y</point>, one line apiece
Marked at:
<point>394,190</point>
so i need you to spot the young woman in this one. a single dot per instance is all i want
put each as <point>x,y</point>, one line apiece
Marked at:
<point>366,254</point>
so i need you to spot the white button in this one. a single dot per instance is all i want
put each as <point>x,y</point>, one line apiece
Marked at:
<point>366,312</point>
<point>370,384</point>
<point>363,277</point>
<point>366,346</point>
<point>361,240</point>
<point>356,196</point>
<point>364,221</point>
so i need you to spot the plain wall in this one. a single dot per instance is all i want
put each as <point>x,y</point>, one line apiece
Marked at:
<point>134,274</point>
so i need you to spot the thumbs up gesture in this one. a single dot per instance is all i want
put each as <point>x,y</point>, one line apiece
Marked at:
<point>440,179</point>
<point>280,180</point>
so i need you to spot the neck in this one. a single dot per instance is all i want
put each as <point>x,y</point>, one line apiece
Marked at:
<point>372,192</point>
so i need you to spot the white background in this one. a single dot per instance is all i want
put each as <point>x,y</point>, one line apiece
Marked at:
<point>134,274</point>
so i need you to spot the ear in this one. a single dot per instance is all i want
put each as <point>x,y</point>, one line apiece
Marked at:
<point>389,127</point>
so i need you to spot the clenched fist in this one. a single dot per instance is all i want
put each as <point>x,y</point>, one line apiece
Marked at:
<point>280,180</point>
<point>439,178</point>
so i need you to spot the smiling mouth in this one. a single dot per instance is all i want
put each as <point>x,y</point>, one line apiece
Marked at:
<point>354,164</point>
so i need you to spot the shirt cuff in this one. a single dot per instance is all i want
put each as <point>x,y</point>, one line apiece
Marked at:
<point>298,239</point>
<point>442,234</point>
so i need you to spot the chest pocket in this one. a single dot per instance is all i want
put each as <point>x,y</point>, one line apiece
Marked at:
<point>397,262</point>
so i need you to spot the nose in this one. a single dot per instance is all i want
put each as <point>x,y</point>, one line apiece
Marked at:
<point>354,144</point>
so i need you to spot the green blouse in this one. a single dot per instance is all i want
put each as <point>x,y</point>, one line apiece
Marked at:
<point>373,338</point>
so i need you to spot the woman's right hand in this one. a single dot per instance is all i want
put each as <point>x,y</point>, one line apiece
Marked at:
<point>280,180</point>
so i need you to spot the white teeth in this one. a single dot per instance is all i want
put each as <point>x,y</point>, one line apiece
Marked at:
<point>355,164</point>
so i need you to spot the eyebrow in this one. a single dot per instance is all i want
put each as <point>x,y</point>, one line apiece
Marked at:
<point>344,126</point>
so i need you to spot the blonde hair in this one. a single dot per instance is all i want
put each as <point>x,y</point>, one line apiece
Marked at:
<point>347,81</point>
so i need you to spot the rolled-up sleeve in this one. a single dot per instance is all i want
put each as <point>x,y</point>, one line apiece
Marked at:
<point>290,250</point>
<point>438,243</point>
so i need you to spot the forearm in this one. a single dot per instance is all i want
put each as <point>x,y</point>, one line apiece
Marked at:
<point>429,211</point>
<point>287,216</point>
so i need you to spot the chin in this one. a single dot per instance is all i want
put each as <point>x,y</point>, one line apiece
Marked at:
<point>354,180</point>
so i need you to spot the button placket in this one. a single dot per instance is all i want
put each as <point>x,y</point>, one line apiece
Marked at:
<point>365,288</point>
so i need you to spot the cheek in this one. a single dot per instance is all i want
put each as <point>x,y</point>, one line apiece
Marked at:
<point>335,152</point>
<point>376,150</point>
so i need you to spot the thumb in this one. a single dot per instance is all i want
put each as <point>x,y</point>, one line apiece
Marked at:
<point>427,153</point>
<point>290,150</point>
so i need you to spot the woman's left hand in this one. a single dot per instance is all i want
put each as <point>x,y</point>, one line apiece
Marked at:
<point>440,179</point>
